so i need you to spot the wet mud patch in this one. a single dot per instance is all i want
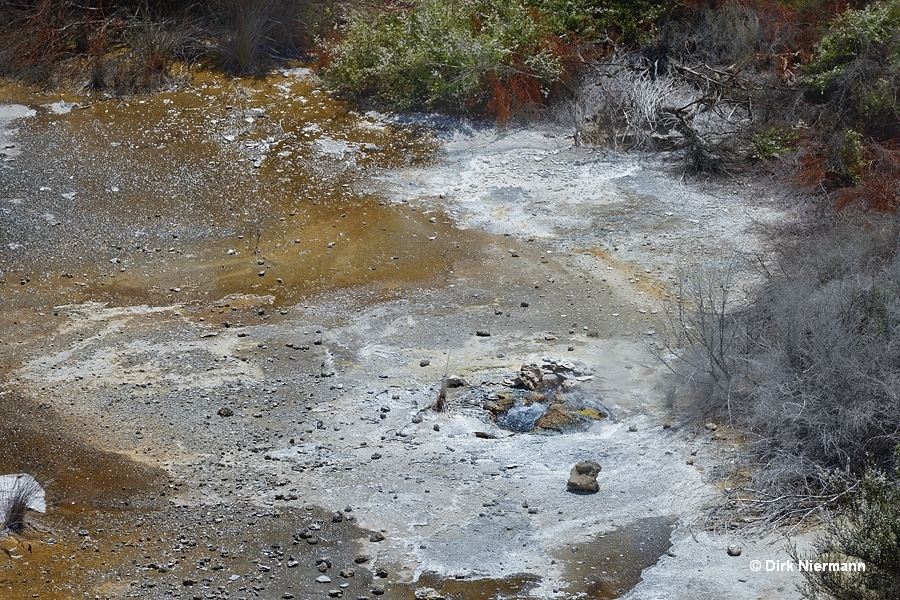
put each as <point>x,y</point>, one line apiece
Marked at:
<point>210,551</point>
<point>77,475</point>
<point>608,566</point>
<point>431,586</point>
<point>249,187</point>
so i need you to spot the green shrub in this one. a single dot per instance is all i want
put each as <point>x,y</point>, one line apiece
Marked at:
<point>772,143</point>
<point>437,54</point>
<point>591,19</point>
<point>866,529</point>
<point>856,65</point>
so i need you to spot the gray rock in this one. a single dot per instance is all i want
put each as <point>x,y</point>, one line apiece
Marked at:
<point>734,550</point>
<point>376,537</point>
<point>323,579</point>
<point>583,477</point>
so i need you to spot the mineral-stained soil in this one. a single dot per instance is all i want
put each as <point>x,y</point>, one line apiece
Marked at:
<point>229,309</point>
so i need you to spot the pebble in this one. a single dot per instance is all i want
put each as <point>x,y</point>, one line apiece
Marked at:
<point>225,412</point>
<point>424,362</point>
<point>482,333</point>
<point>376,456</point>
<point>378,590</point>
<point>711,426</point>
<point>417,418</point>
<point>376,537</point>
<point>734,550</point>
<point>323,579</point>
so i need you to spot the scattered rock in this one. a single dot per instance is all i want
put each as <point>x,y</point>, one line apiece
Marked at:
<point>529,377</point>
<point>378,590</point>
<point>482,333</point>
<point>424,362</point>
<point>323,579</point>
<point>485,435</point>
<point>362,558</point>
<point>225,412</point>
<point>632,428</point>
<point>376,537</point>
<point>711,426</point>
<point>734,550</point>
<point>417,418</point>
<point>583,477</point>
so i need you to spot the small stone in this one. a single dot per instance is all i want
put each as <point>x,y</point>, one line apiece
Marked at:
<point>632,428</point>
<point>524,305</point>
<point>583,477</point>
<point>225,412</point>
<point>378,590</point>
<point>424,362</point>
<point>362,558</point>
<point>482,333</point>
<point>287,595</point>
<point>323,579</point>
<point>337,517</point>
<point>417,418</point>
<point>189,582</point>
<point>376,456</point>
<point>347,573</point>
<point>436,427</point>
<point>335,593</point>
<point>261,273</point>
<point>376,537</point>
<point>734,550</point>
<point>711,426</point>
<point>381,572</point>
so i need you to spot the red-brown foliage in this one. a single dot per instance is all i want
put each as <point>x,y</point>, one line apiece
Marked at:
<point>879,189</point>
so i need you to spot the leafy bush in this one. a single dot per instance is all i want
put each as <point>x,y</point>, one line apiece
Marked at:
<point>591,20</point>
<point>866,529</point>
<point>440,54</point>
<point>773,143</point>
<point>856,65</point>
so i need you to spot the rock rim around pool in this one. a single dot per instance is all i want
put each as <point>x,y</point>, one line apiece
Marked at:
<point>583,477</point>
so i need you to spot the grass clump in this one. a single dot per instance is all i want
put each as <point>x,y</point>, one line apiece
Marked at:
<point>19,495</point>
